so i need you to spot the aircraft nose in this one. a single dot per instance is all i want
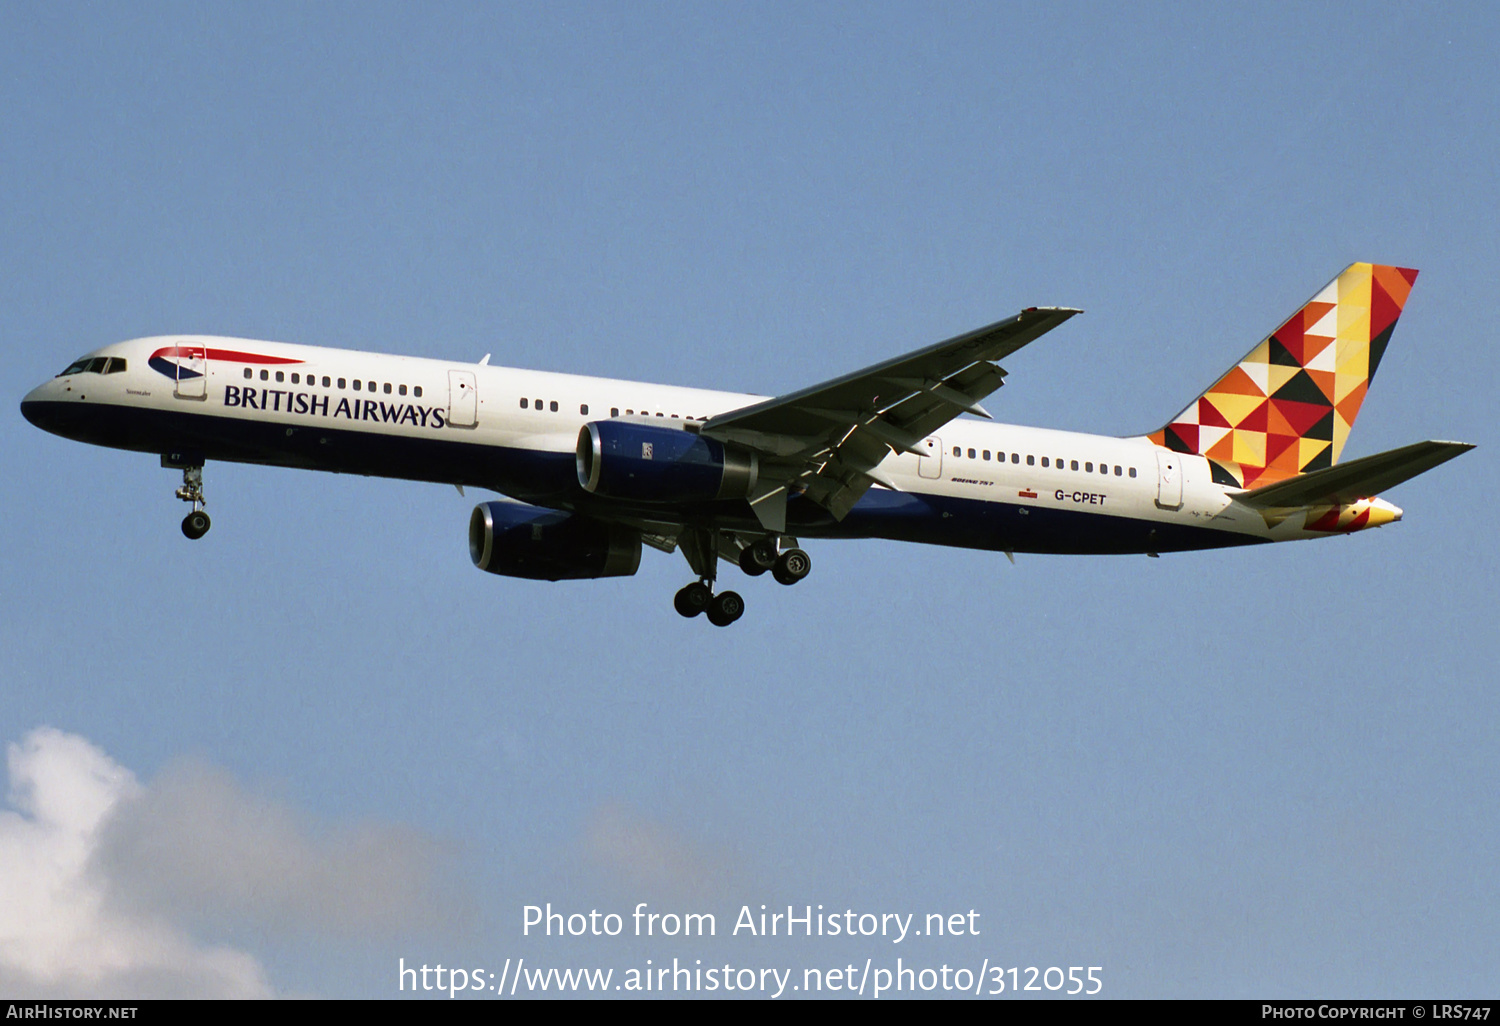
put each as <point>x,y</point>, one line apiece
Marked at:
<point>40,406</point>
<point>31,406</point>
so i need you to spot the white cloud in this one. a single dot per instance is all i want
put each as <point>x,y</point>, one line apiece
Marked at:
<point>104,880</point>
<point>60,934</point>
<point>197,845</point>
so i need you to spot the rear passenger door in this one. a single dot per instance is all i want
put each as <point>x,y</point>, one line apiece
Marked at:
<point>1168,479</point>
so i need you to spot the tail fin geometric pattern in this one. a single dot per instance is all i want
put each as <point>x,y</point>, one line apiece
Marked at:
<point>1287,407</point>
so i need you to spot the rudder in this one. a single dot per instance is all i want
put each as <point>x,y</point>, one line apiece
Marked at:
<point>1287,407</point>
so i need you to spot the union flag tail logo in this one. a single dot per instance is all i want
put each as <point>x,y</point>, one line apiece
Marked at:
<point>1287,407</point>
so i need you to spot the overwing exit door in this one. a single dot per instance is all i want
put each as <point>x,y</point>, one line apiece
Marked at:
<point>463,399</point>
<point>930,463</point>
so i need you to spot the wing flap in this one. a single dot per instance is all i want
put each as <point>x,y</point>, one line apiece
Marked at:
<point>827,439</point>
<point>863,388</point>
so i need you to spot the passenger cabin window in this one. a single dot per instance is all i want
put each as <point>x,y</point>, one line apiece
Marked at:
<point>248,372</point>
<point>971,454</point>
<point>401,390</point>
<point>325,382</point>
<point>1132,472</point>
<point>417,391</point>
<point>523,404</point>
<point>280,376</point>
<point>1118,471</point>
<point>1015,457</point>
<point>265,375</point>
<point>341,382</point>
<point>553,406</point>
<point>1031,461</point>
<point>614,411</point>
<point>957,451</point>
<point>1044,462</point>
<point>295,379</point>
<point>387,388</point>
<point>583,408</point>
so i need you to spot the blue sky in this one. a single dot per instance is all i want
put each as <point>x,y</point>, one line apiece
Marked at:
<point>1244,773</point>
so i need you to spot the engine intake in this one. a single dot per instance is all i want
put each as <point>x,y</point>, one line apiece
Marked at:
<point>517,540</point>
<point>646,463</point>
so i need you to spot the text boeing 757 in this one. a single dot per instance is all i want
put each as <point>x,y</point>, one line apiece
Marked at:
<point>597,468</point>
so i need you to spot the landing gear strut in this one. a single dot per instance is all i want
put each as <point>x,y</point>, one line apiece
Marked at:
<point>701,547</point>
<point>196,524</point>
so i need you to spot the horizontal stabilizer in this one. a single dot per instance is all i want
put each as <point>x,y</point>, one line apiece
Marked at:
<point>1357,479</point>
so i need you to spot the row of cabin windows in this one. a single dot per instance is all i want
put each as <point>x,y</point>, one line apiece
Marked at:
<point>1015,457</point>
<point>97,365</point>
<point>328,382</point>
<point>583,408</point>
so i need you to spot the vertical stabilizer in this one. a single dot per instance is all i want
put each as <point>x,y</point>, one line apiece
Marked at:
<point>1287,407</point>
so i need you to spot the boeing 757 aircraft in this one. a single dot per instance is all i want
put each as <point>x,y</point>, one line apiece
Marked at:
<point>597,468</point>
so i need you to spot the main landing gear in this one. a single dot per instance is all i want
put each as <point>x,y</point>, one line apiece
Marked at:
<point>722,609</point>
<point>703,548</point>
<point>787,567</point>
<point>196,524</point>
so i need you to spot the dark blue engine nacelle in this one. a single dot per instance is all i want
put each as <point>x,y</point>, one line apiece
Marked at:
<point>526,541</point>
<point>624,460</point>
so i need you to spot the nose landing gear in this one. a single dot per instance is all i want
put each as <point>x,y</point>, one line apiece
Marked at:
<point>196,524</point>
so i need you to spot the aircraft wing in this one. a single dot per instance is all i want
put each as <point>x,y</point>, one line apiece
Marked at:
<point>1357,479</point>
<point>825,441</point>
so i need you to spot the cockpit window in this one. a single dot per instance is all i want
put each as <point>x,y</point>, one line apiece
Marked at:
<point>96,365</point>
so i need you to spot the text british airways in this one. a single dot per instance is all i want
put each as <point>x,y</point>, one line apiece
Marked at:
<point>278,400</point>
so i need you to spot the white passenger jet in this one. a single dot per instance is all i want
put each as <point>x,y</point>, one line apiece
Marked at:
<point>596,468</point>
